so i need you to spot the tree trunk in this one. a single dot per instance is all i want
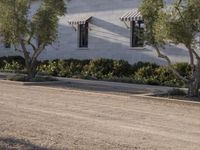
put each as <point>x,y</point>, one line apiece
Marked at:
<point>193,89</point>
<point>194,84</point>
<point>32,69</point>
<point>32,73</point>
<point>30,62</point>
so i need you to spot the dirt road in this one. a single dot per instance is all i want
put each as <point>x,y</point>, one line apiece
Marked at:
<point>41,118</point>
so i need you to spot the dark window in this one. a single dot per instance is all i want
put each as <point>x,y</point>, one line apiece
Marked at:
<point>7,44</point>
<point>38,40</point>
<point>137,34</point>
<point>83,35</point>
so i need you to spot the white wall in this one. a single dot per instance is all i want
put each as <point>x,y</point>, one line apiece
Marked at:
<point>108,36</point>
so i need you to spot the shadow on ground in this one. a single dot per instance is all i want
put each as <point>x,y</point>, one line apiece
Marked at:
<point>18,144</point>
<point>2,76</point>
<point>93,87</point>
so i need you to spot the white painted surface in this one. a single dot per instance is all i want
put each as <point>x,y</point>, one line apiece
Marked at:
<point>108,36</point>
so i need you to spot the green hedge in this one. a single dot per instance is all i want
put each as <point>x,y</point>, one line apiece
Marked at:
<point>63,68</point>
<point>12,63</point>
<point>104,69</point>
<point>107,68</point>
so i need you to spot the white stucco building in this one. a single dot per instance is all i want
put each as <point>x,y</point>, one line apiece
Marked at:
<point>106,32</point>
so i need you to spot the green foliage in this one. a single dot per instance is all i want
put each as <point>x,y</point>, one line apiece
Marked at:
<point>113,70</point>
<point>75,67</point>
<point>147,75</point>
<point>166,77</point>
<point>12,63</point>
<point>63,68</point>
<point>121,68</point>
<point>13,19</point>
<point>140,64</point>
<point>177,23</point>
<point>45,21</point>
<point>30,33</point>
<point>99,68</point>
<point>12,66</point>
<point>15,24</point>
<point>58,6</point>
<point>45,26</point>
<point>184,69</point>
<point>105,69</point>
<point>150,11</point>
<point>51,68</point>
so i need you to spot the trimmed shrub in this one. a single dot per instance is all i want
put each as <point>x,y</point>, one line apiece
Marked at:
<point>76,67</point>
<point>105,69</point>
<point>121,68</point>
<point>50,68</point>
<point>13,66</point>
<point>166,77</point>
<point>184,69</point>
<point>139,65</point>
<point>63,68</point>
<point>147,74</point>
<point>12,60</point>
<point>99,68</point>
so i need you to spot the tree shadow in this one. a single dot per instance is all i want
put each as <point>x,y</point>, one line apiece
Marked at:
<point>108,40</point>
<point>116,29</point>
<point>86,6</point>
<point>2,76</point>
<point>10,143</point>
<point>118,88</point>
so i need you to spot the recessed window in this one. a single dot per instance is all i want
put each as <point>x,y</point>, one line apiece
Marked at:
<point>38,40</point>
<point>137,34</point>
<point>83,35</point>
<point>7,44</point>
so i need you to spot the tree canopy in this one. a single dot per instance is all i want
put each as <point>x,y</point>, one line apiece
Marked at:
<point>30,34</point>
<point>178,23</point>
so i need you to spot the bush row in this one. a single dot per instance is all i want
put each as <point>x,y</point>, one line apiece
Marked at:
<point>105,69</point>
<point>12,63</point>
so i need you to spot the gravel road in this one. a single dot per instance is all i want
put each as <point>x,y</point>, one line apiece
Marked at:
<point>44,118</point>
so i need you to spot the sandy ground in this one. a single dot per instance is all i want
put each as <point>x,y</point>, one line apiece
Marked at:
<point>43,118</point>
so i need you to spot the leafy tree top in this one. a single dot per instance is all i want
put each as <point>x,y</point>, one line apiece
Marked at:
<point>16,24</point>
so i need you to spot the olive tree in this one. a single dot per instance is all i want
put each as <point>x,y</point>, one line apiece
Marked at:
<point>178,23</point>
<point>30,33</point>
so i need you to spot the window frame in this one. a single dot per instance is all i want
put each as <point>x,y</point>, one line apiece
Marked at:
<point>7,44</point>
<point>83,35</point>
<point>134,39</point>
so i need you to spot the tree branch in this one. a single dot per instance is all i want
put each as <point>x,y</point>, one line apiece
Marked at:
<point>16,49</point>
<point>37,53</point>
<point>32,45</point>
<point>161,55</point>
<point>191,54</point>
<point>179,12</point>
<point>195,53</point>
<point>179,2</point>
<point>29,42</point>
